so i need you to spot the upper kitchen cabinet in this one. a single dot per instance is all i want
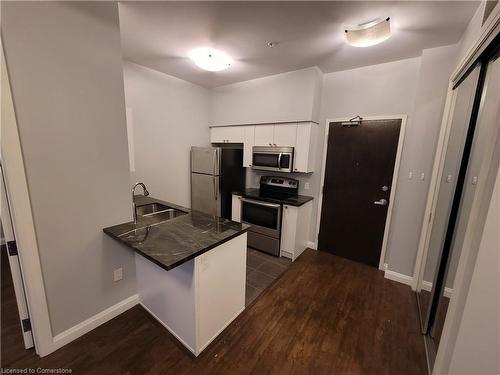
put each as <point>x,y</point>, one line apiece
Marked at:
<point>304,152</point>
<point>280,135</point>
<point>227,134</point>
<point>285,135</point>
<point>301,136</point>
<point>264,135</point>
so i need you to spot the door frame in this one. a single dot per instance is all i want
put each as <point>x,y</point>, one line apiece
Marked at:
<point>14,263</point>
<point>17,192</point>
<point>395,176</point>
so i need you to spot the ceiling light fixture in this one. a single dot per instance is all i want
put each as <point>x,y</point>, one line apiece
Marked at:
<point>211,59</point>
<point>369,34</point>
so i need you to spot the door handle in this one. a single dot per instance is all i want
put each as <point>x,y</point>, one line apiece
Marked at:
<point>215,189</point>
<point>381,202</point>
<point>279,160</point>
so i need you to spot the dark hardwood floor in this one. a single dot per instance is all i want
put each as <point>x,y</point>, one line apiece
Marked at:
<point>323,315</point>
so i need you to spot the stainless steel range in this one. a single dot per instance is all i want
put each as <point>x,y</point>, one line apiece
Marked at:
<point>262,209</point>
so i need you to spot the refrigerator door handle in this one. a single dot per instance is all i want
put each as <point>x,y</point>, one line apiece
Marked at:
<point>215,188</point>
<point>215,159</point>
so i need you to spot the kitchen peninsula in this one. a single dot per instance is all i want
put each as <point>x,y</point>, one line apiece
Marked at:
<point>190,266</point>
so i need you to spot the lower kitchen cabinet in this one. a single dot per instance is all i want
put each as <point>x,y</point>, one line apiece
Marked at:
<point>295,230</point>
<point>236,208</point>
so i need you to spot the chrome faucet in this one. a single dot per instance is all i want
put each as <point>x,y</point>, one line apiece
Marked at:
<point>146,193</point>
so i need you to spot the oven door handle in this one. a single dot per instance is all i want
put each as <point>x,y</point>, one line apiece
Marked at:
<point>279,160</point>
<point>265,204</point>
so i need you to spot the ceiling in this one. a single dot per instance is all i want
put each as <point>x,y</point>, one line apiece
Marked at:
<point>160,35</point>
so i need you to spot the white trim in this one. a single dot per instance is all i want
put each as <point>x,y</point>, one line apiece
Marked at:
<point>22,221</point>
<point>437,171</point>
<point>395,176</point>
<point>15,267</point>
<point>312,245</point>
<point>427,286</point>
<point>487,35</point>
<point>399,277</point>
<point>95,321</point>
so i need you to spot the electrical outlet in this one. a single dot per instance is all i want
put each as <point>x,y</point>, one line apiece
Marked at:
<point>422,176</point>
<point>410,175</point>
<point>118,274</point>
<point>306,186</point>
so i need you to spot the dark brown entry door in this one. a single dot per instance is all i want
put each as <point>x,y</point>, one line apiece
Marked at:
<point>359,168</point>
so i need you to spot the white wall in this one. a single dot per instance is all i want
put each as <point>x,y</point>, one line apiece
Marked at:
<point>291,96</point>
<point>169,116</point>
<point>478,341</point>
<point>418,156</point>
<point>68,94</point>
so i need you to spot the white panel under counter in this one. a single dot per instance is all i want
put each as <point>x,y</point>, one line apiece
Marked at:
<point>197,300</point>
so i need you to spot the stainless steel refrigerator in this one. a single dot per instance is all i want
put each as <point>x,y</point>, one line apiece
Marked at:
<point>216,172</point>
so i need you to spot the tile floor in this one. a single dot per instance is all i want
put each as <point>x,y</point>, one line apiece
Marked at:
<point>262,270</point>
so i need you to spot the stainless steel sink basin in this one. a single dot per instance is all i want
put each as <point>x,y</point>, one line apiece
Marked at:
<point>159,211</point>
<point>152,208</point>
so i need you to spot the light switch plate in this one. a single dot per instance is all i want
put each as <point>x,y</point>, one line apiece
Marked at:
<point>306,186</point>
<point>118,274</point>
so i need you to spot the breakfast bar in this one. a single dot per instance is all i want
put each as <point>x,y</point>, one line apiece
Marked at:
<point>190,269</point>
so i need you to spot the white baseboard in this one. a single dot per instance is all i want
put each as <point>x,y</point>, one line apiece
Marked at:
<point>399,277</point>
<point>169,330</point>
<point>93,322</point>
<point>311,245</point>
<point>426,285</point>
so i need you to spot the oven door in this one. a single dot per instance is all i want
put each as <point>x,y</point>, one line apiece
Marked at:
<point>273,158</point>
<point>264,217</point>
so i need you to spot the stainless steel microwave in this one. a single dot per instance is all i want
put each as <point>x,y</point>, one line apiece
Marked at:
<point>272,158</point>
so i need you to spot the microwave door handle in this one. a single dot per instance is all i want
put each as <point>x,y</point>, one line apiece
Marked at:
<point>279,160</point>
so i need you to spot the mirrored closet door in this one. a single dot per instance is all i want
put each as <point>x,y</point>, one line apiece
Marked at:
<point>474,127</point>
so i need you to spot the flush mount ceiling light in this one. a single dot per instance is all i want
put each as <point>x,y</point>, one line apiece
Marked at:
<point>369,34</point>
<point>211,59</point>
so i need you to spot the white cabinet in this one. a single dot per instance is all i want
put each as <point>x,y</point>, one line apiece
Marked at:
<point>301,136</point>
<point>295,229</point>
<point>227,134</point>
<point>305,148</point>
<point>236,208</point>
<point>284,135</point>
<point>248,143</point>
<point>264,135</point>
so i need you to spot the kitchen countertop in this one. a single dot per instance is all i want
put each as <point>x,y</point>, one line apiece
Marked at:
<point>297,201</point>
<point>175,241</point>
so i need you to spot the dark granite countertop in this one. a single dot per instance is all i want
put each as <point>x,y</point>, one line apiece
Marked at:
<point>175,241</point>
<point>299,200</point>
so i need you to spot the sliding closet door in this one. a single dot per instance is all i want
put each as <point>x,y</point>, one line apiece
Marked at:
<point>483,144</point>
<point>464,99</point>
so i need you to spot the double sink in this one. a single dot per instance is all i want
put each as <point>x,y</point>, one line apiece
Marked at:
<point>148,216</point>
<point>158,212</point>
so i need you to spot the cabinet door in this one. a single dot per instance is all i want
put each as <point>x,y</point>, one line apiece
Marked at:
<point>285,135</point>
<point>227,134</point>
<point>236,208</point>
<point>264,135</point>
<point>248,144</point>
<point>288,229</point>
<point>304,152</point>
